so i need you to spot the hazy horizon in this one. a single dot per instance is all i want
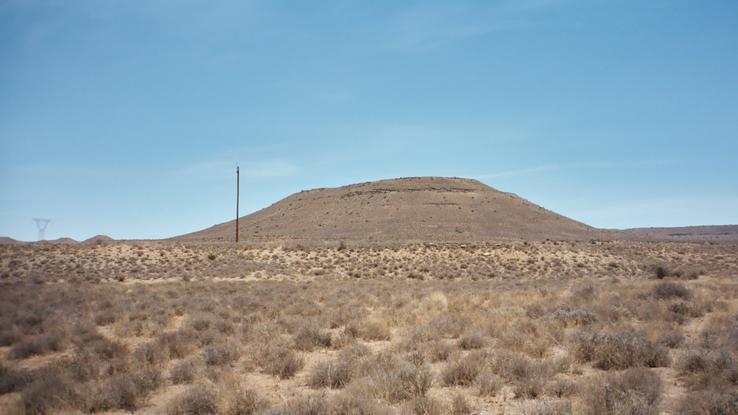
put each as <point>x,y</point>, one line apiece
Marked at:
<point>128,118</point>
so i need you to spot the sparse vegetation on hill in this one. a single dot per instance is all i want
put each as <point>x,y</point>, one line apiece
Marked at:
<point>413,209</point>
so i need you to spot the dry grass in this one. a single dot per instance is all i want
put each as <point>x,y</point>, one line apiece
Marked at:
<point>464,371</point>
<point>185,371</point>
<point>497,327</point>
<point>198,399</point>
<point>635,391</point>
<point>283,362</point>
<point>720,401</point>
<point>334,374</point>
<point>618,350</point>
<point>669,290</point>
<point>310,335</point>
<point>37,345</point>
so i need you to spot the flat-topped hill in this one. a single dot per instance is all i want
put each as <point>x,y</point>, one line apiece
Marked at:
<point>434,209</point>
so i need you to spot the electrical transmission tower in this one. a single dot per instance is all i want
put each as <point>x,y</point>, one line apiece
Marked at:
<point>41,224</point>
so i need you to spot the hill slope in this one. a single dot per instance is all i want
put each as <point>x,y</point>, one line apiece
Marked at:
<point>401,210</point>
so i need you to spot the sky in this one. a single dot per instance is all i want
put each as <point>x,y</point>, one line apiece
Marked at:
<point>127,118</point>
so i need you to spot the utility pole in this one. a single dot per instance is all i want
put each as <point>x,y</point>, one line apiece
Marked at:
<point>238,196</point>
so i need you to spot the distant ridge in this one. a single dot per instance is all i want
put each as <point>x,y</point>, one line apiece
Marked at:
<point>414,209</point>
<point>64,240</point>
<point>98,239</point>
<point>686,233</point>
<point>5,240</point>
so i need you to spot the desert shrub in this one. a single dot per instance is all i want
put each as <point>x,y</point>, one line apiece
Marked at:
<point>9,336</point>
<point>635,391</point>
<point>208,337</point>
<point>511,365</point>
<point>437,351</point>
<point>106,349</point>
<point>413,345</point>
<point>527,375</point>
<point>531,337</point>
<point>178,343</point>
<point>584,294</point>
<point>530,386</point>
<point>472,341</point>
<point>146,380</point>
<point>236,400</point>
<point>667,290</point>
<point>546,407</point>
<point>679,311</point>
<point>535,311</point>
<point>415,336</point>
<point>560,364</point>
<point>693,361</point>
<point>305,405</point>
<point>464,371</point>
<point>714,402</point>
<point>370,329</point>
<point>708,368</point>
<point>201,322</point>
<point>310,335</point>
<point>84,366</point>
<point>573,317</point>
<point>445,324</point>
<point>38,278</point>
<point>424,405</point>
<point>693,274</point>
<point>184,371</point>
<point>415,378</point>
<point>358,404</point>
<point>561,388</point>
<point>126,390</point>
<point>282,362</point>
<point>460,406</point>
<point>661,271</point>
<point>671,339</point>
<point>618,350</point>
<point>334,374</point>
<point>151,354</point>
<point>105,317</point>
<point>645,381</point>
<point>117,392</point>
<point>354,353</point>
<point>224,326</point>
<point>52,390</point>
<point>12,380</point>
<point>37,345</point>
<point>220,354</point>
<point>197,400</point>
<point>488,383</point>
<point>342,339</point>
<point>387,377</point>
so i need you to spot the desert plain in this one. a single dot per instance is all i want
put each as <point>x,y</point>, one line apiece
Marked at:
<point>580,325</point>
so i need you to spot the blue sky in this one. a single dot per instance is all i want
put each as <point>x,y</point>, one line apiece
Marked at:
<point>127,117</point>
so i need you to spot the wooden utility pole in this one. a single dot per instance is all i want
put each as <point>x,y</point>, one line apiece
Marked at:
<point>238,196</point>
